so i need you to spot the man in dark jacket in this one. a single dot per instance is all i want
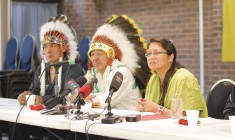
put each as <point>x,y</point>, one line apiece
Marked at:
<point>58,43</point>
<point>230,105</point>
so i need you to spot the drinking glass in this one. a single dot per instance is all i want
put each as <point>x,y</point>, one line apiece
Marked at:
<point>176,106</point>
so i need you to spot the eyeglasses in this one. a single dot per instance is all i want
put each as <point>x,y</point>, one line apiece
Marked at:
<point>154,54</point>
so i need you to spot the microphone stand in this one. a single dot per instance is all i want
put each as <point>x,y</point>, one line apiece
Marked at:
<point>110,118</point>
<point>108,100</point>
<point>56,89</point>
<point>79,112</point>
<point>109,114</point>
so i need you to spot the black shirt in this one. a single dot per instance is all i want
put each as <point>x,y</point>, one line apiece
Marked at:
<point>68,72</point>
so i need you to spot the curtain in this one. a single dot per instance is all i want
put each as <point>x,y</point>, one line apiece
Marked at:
<point>228,47</point>
<point>27,18</point>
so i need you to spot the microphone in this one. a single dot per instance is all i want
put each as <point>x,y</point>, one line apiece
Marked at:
<point>52,102</point>
<point>86,89</point>
<point>115,85</point>
<point>72,85</point>
<point>67,62</point>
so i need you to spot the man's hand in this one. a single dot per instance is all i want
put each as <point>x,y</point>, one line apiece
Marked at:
<point>22,99</point>
<point>91,99</point>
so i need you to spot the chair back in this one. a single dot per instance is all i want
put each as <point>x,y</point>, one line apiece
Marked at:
<point>218,96</point>
<point>83,48</point>
<point>26,53</point>
<point>10,62</point>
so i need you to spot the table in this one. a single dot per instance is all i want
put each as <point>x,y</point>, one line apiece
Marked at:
<point>208,129</point>
<point>9,109</point>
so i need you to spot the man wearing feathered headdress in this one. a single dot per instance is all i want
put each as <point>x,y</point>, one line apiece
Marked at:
<point>58,43</point>
<point>118,47</point>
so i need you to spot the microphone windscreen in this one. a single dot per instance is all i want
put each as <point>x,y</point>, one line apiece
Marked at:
<point>85,90</point>
<point>49,101</point>
<point>52,102</point>
<point>81,80</point>
<point>77,83</point>
<point>116,82</point>
<point>93,82</point>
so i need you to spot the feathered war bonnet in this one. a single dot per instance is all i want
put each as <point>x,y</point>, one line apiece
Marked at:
<point>58,30</point>
<point>120,37</point>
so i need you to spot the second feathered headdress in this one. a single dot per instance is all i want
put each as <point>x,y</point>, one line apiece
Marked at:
<point>120,37</point>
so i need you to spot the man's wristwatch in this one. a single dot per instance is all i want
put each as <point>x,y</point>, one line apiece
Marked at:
<point>160,109</point>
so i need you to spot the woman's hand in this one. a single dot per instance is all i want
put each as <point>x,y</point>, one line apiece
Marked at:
<point>139,105</point>
<point>144,105</point>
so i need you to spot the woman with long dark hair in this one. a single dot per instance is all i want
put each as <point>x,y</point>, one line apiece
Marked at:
<point>169,78</point>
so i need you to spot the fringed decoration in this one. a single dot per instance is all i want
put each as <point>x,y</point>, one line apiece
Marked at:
<point>42,80</point>
<point>60,75</point>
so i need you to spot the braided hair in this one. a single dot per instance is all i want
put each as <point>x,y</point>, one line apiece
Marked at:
<point>170,48</point>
